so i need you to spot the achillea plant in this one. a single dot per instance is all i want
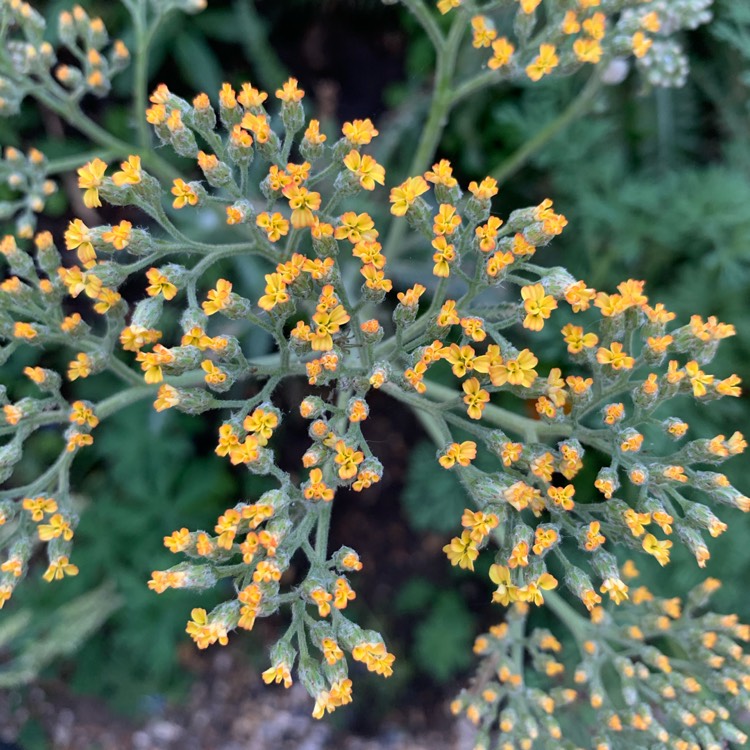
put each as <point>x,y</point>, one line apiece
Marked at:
<point>321,217</point>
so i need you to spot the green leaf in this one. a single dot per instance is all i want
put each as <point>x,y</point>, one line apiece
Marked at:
<point>443,640</point>
<point>433,499</point>
<point>197,62</point>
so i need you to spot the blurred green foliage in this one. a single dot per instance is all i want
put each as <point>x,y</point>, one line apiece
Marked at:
<point>144,489</point>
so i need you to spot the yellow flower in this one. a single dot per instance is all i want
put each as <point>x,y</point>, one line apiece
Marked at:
<point>446,220</point>
<point>303,203</point>
<point>37,507</point>
<point>458,453</point>
<point>274,225</point>
<point>218,298</point>
<point>80,367</point>
<point>487,234</point>
<point>545,62</point>
<point>640,44</point>
<point>544,538</point>
<point>359,132</point>
<point>348,459</point>
<point>529,6</point>
<point>82,414</point>
<point>615,357</point>
<point>502,51</point>
<point>131,173</point>
<point>316,488</point>
<point>119,235</point>
<point>327,323</point>
<point>441,174</point>
<point>59,568</point>
<point>90,178</point>
<point>507,592</point>
<point>342,594</point>
<point>153,362</point>
<point>78,236</point>
<point>570,23</point>
<point>289,92</point>
<point>579,296</point>
<point>261,423</point>
<point>184,194</point>
<point>24,331</point>
<point>698,379</point>
<point>479,523</point>
<point>313,134</point>
<point>214,375</point>
<point>518,371</point>
<point>594,538</point>
<point>588,50</point>
<point>448,315</point>
<point>57,527</point>
<point>279,673</point>
<point>616,589</point>
<point>476,398</point>
<point>403,196</point>
<point>562,496</point>
<point>462,551</point>
<point>519,555</point>
<point>532,592</point>
<point>365,168</point>
<point>410,298</point>
<point>445,6</point>
<point>538,306</point>
<point>484,190</point>
<point>445,255</point>
<point>159,284</point>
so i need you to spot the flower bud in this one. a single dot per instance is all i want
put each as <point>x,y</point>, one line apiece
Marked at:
<point>193,317</point>
<point>110,274</point>
<point>283,652</point>
<point>311,151</point>
<point>476,211</point>
<point>270,149</point>
<point>444,194</point>
<point>557,280</point>
<point>202,117</point>
<point>310,676</point>
<point>141,242</point>
<point>218,174</point>
<point>605,564</point>
<point>184,143</point>
<point>293,116</point>
<point>148,312</point>
<point>194,400</point>
<point>10,455</point>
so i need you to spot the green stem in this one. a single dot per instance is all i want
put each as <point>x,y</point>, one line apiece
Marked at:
<point>143,38</point>
<point>437,119</point>
<point>578,625</point>
<point>69,163</point>
<point>503,418</point>
<point>70,112</point>
<point>427,21</point>
<point>321,532</point>
<point>575,109</point>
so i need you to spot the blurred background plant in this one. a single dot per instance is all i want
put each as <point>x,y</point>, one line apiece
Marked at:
<point>655,184</point>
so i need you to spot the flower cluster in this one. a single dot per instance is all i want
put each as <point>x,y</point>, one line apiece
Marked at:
<point>314,214</point>
<point>665,673</point>
<point>548,37</point>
